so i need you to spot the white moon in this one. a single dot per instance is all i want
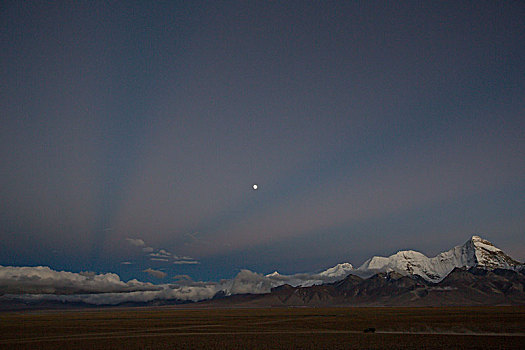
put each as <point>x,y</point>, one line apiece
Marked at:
<point>255,187</point>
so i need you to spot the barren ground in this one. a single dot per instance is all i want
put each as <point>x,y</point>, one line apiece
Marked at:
<point>305,328</point>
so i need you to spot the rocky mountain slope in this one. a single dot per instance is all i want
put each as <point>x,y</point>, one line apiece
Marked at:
<point>474,286</point>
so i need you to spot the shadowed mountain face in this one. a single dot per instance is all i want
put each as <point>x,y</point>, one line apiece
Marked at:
<point>462,286</point>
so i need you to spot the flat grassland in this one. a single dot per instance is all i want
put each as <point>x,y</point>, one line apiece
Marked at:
<point>279,328</point>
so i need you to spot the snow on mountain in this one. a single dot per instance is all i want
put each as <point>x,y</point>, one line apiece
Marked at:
<point>298,279</point>
<point>475,252</point>
<point>332,274</point>
<point>491,257</point>
<point>339,270</point>
<point>273,274</point>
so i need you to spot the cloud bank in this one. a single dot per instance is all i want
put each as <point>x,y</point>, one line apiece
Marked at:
<point>34,284</point>
<point>43,280</point>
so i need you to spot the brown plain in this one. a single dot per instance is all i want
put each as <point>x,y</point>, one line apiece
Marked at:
<point>274,328</point>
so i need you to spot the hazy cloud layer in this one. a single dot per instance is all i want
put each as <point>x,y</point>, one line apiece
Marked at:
<point>186,262</point>
<point>42,283</point>
<point>43,280</point>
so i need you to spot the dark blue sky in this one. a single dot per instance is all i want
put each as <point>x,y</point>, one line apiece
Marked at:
<point>369,126</point>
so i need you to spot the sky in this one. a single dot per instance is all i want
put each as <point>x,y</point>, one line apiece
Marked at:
<point>132,132</point>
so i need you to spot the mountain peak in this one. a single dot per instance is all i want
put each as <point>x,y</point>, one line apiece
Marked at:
<point>488,256</point>
<point>481,243</point>
<point>476,252</point>
<point>339,270</point>
<point>478,241</point>
<point>273,274</point>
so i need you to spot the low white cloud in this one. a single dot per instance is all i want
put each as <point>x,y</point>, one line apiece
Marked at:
<point>247,281</point>
<point>301,279</point>
<point>137,242</point>
<point>43,280</point>
<point>159,255</point>
<point>183,293</point>
<point>126,263</point>
<point>159,259</point>
<point>147,249</point>
<point>156,273</point>
<point>186,262</point>
<point>33,284</point>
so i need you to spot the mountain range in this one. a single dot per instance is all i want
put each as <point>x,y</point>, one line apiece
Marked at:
<point>476,272</point>
<point>476,252</point>
<point>462,286</point>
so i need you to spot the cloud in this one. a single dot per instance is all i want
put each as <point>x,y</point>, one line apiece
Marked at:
<point>300,279</point>
<point>126,263</point>
<point>43,280</point>
<point>182,278</point>
<point>156,273</point>
<point>183,293</point>
<point>137,242</point>
<point>158,255</point>
<point>161,255</point>
<point>247,281</point>
<point>34,284</point>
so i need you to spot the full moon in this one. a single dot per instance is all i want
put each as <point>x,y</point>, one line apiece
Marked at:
<point>255,187</point>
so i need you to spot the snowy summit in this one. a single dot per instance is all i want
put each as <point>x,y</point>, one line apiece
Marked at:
<point>476,252</point>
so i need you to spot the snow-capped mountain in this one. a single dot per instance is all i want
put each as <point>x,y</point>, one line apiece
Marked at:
<point>476,252</point>
<point>476,272</point>
<point>332,274</point>
<point>338,271</point>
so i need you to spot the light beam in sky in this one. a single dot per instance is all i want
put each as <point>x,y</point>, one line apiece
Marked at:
<point>399,123</point>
